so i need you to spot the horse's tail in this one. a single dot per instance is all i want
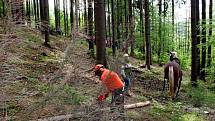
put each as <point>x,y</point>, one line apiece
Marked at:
<point>171,81</point>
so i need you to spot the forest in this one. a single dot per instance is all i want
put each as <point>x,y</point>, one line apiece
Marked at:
<point>101,60</point>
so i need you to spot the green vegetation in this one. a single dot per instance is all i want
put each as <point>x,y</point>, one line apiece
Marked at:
<point>202,95</point>
<point>173,111</point>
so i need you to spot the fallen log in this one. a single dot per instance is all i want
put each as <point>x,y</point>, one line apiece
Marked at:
<point>137,105</point>
<point>75,116</point>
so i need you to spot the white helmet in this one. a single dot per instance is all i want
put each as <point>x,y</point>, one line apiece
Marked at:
<point>125,55</point>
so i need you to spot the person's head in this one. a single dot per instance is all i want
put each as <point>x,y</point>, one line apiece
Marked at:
<point>98,70</point>
<point>173,55</point>
<point>126,58</point>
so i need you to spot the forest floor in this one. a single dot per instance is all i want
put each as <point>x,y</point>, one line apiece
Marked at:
<point>37,82</point>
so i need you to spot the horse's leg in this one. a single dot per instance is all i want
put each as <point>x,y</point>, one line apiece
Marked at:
<point>164,83</point>
<point>179,85</point>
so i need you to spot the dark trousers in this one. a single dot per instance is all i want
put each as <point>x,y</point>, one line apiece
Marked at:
<point>127,83</point>
<point>118,96</point>
<point>117,107</point>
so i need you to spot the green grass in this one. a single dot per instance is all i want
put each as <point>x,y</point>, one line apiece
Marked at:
<point>191,117</point>
<point>173,111</point>
<point>202,95</point>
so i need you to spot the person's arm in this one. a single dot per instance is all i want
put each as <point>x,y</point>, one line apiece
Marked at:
<point>122,72</point>
<point>103,96</point>
<point>105,93</point>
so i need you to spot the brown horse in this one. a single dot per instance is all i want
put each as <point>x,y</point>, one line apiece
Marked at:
<point>173,74</point>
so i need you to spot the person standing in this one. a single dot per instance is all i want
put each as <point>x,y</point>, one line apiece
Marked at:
<point>126,74</point>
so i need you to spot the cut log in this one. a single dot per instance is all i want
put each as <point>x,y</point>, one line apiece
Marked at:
<point>137,105</point>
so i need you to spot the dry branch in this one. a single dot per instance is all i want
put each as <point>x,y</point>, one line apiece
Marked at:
<point>72,116</point>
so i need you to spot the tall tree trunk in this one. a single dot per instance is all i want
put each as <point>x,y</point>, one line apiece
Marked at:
<point>118,24</point>
<point>100,32</point>
<point>203,40</point>
<point>210,32</point>
<point>85,16</point>
<point>64,16</point>
<point>147,34</point>
<point>79,15</point>
<point>67,18</point>
<point>38,12</point>
<point>106,31</point>
<point>113,28</point>
<point>76,15</point>
<point>71,15</point>
<point>28,12</point>
<point>159,31</point>
<point>35,12</point>
<point>44,13</point>
<point>18,11</point>
<point>198,38</point>
<point>57,16</point>
<point>131,26</point>
<point>165,4</point>
<point>142,28</point>
<point>109,27</point>
<point>173,23</point>
<point>126,27</point>
<point>194,66</point>
<point>90,26</point>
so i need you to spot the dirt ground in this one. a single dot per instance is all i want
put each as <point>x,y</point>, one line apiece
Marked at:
<point>38,82</point>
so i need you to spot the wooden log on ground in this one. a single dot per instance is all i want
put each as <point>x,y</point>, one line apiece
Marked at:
<point>137,105</point>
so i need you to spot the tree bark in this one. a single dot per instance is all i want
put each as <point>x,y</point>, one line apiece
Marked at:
<point>210,32</point>
<point>126,27</point>
<point>65,17</point>
<point>147,34</point>
<point>35,11</point>
<point>113,28</point>
<point>57,15</point>
<point>131,26</point>
<point>118,24</point>
<point>44,13</point>
<point>85,16</point>
<point>90,26</point>
<point>198,38</point>
<point>76,15</point>
<point>194,44</point>
<point>203,40</point>
<point>28,11</point>
<point>100,32</point>
<point>109,27</point>
<point>159,31</point>
<point>18,11</point>
<point>142,29</point>
<point>38,11</point>
<point>71,15</point>
<point>173,23</point>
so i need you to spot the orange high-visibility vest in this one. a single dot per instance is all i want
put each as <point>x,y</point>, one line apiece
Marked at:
<point>111,80</point>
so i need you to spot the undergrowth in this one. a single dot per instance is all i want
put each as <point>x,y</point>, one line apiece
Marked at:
<point>202,95</point>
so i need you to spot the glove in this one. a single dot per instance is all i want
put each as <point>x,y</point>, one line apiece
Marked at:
<point>102,98</point>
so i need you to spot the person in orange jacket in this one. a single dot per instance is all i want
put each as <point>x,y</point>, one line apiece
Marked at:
<point>112,82</point>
